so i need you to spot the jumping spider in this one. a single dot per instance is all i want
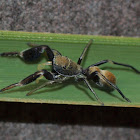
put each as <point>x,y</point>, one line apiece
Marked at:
<point>64,68</point>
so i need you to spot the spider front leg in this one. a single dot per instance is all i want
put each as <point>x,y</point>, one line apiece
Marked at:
<point>55,52</point>
<point>31,78</point>
<point>32,54</point>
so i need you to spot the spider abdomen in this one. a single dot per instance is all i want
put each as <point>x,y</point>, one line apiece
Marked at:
<point>110,76</point>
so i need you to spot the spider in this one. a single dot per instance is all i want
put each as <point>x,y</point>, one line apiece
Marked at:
<point>64,68</point>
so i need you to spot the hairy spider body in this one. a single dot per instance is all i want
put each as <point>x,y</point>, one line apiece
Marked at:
<point>63,68</point>
<point>66,67</point>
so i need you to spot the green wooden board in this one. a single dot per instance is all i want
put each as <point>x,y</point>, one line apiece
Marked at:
<point>119,49</point>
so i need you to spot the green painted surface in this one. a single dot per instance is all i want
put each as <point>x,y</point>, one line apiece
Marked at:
<point>119,49</point>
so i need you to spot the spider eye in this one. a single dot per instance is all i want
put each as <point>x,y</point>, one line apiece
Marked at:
<point>94,77</point>
<point>64,67</point>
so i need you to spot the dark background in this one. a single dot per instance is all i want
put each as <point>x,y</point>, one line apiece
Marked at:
<point>19,121</point>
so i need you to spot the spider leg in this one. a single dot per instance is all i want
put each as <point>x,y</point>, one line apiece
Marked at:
<point>32,54</point>
<point>114,86</point>
<point>84,52</point>
<point>30,79</point>
<point>116,63</point>
<point>89,86</point>
<point>46,84</point>
<point>36,45</point>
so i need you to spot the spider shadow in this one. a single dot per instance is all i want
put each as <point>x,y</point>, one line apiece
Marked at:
<point>109,92</point>
<point>58,86</point>
<point>53,87</point>
<point>33,86</point>
<point>105,90</point>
